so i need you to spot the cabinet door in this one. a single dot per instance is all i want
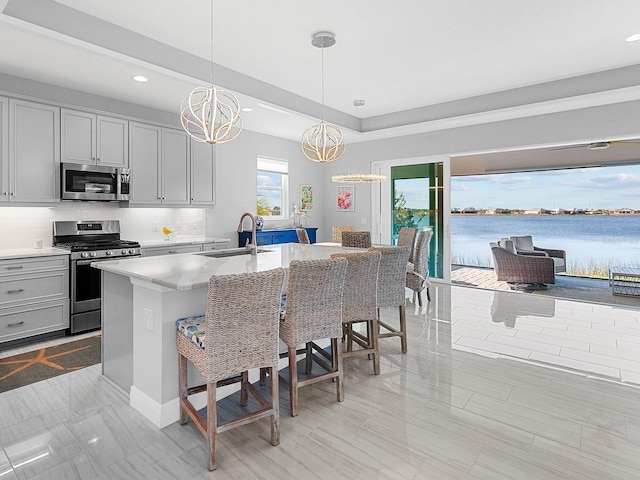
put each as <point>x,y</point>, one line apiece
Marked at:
<point>4,149</point>
<point>34,152</point>
<point>144,154</point>
<point>112,139</point>
<point>175,167</point>
<point>78,137</point>
<point>203,173</point>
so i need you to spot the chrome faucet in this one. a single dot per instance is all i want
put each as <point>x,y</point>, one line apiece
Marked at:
<point>254,245</point>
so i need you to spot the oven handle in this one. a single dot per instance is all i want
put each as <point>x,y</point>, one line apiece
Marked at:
<point>92,260</point>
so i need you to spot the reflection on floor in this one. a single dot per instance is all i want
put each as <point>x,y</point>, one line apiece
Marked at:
<point>495,385</point>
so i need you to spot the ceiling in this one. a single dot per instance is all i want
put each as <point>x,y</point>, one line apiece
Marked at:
<point>420,65</point>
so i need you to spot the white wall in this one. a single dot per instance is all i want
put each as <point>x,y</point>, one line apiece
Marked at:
<point>236,184</point>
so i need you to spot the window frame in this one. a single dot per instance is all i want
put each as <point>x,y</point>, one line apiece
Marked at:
<point>278,167</point>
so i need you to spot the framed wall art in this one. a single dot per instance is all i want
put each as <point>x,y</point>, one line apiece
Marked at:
<point>345,198</point>
<point>306,197</point>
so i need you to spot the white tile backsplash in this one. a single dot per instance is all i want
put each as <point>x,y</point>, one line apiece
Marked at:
<point>24,225</point>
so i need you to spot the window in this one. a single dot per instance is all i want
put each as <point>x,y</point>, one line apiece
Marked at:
<point>273,187</point>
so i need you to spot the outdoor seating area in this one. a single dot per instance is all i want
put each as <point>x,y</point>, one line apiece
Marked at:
<point>517,260</point>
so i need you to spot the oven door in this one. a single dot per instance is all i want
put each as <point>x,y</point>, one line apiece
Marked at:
<point>86,286</point>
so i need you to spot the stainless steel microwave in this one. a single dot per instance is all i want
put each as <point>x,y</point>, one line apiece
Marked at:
<point>94,183</point>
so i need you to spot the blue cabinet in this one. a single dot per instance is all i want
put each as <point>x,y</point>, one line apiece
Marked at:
<point>269,237</point>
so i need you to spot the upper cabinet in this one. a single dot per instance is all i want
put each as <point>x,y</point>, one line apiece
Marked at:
<point>4,149</point>
<point>144,150</point>
<point>203,173</point>
<point>175,167</point>
<point>34,153</point>
<point>160,167</point>
<point>94,139</point>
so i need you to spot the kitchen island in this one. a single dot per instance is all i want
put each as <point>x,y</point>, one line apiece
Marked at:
<point>143,297</point>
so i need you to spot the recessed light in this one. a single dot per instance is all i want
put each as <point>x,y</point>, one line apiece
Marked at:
<point>140,78</point>
<point>247,109</point>
<point>633,38</point>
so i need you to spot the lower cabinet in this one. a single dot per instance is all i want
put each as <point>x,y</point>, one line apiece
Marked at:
<point>188,248</point>
<point>34,296</point>
<point>169,250</point>
<point>270,237</point>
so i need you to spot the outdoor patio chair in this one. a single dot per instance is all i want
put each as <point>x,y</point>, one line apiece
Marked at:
<point>524,246</point>
<point>512,267</point>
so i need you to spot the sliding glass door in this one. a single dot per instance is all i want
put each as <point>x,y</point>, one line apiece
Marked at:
<point>415,197</point>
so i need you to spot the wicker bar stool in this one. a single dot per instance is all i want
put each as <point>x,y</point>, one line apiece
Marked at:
<point>240,332</point>
<point>391,288</point>
<point>418,276</point>
<point>337,232</point>
<point>359,304</point>
<point>303,237</point>
<point>407,237</point>
<point>356,239</point>
<point>313,312</point>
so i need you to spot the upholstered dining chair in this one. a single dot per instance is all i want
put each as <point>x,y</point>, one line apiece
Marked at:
<point>391,289</point>
<point>238,332</point>
<point>313,311</point>
<point>356,239</point>
<point>407,237</point>
<point>337,232</point>
<point>359,304</point>
<point>303,237</point>
<point>418,275</point>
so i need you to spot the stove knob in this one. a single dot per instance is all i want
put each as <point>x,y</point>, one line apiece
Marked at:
<point>108,253</point>
<point>124,251</point>
<point>84,254</point>
<point>92,254</point>
<point>131,251</point>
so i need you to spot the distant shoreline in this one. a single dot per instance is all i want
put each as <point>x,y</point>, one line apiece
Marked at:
<point>516,214</point>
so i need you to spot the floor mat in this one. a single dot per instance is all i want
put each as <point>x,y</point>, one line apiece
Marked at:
<point>25,368</point>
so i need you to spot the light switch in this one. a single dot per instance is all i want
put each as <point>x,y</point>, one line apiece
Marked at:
<point>363,220</point>
<point>147,319</point>
<point>154,226</point>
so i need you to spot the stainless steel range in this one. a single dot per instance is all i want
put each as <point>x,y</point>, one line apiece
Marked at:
<point>89,241</point>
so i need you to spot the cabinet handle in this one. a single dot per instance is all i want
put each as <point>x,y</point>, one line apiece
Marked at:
<point>17,267</point>
<point>15,324</point>
<point>19,290</point>
<point>174,251</point>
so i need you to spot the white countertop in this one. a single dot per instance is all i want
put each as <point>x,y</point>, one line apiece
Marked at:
<point>31,252</point>
<point>193,270</point>
<point>182,240</point>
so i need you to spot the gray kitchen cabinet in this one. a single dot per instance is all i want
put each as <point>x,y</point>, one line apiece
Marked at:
<point>144,156</point>
<point>170,250</point>
<point>207,247</point>
<point>203,174</point>
<point>34,152</point>
<point>4,149</point>
<point>175,169</point>
<point>34,296</point>
<point>94,139</point>
<point>159,165</point>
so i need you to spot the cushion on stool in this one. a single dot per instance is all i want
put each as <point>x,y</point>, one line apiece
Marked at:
<point>193,328</point>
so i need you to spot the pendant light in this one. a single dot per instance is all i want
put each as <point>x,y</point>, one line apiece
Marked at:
<point>323,142</point>
<point>210,114</point>
<point>358,178</point>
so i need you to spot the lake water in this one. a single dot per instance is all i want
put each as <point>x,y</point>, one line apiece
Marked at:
<point>589,240</point>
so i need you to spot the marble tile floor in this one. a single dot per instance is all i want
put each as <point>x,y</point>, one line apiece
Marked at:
<point>492,388</point>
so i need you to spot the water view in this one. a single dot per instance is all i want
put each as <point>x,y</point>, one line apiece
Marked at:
<point>592,242</point>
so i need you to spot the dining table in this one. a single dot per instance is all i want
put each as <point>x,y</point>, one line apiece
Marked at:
<point>143,297</point>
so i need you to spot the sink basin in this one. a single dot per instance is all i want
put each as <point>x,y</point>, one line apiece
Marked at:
<point>230,252</point>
